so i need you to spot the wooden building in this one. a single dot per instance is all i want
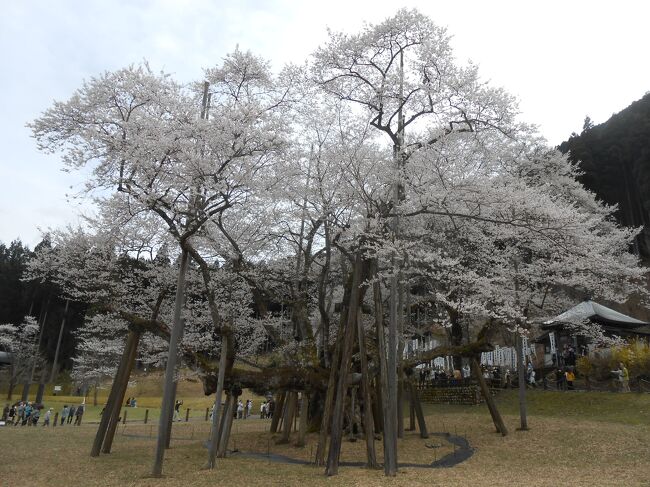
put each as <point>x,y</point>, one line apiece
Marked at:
<point>569,331</point>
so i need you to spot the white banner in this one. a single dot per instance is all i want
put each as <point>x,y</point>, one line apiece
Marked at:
<point>524,348</point>
<point>551,337</point>
<point>502,357</point>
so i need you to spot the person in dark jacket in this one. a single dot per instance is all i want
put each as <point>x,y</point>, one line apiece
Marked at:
<point>79,414</point>
<point>73,410</point>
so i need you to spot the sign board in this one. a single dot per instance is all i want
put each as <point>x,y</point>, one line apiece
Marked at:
<point>57,388</point>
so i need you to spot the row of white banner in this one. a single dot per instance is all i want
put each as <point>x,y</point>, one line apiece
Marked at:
<point>507,356</point>
<point>500,356</point>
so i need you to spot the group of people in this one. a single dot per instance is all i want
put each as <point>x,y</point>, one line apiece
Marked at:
<point>495,378</point>
<point>131,403</point>
<point>244,410</point>
<point>68,414</point>
<point>568,357</point>
<point>267,408</point>
<point>564,378</point>
<point>440,377</point>
<point>26,413</point>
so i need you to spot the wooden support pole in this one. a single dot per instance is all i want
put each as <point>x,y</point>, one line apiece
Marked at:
<point>277,411</point>
<point>225,435</point>
<point>215,428</point>
<point>489,400</point>
<point>400,406</point>
<point>417,408</point>
<point>132,341</point>
<point>169,389</point>
<point>222,423</point>
<point>377,415</point>
<point>389,421</point>
<point>367,419</point>
<point>110,404</point>
<point>331,383</point>
<point>58,343</point>
<point>336,433</point>
<point>170,425</point>
<point>521,376</point>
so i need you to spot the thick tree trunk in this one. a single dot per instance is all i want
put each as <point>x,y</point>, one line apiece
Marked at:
<point>411,410</point>
<point>111,400</point>
<point>338,413</point>
<point>215,431</point>
<point>332,381</point>
<point>521,373</point>
<point>25,394</point>
<point>368,422</point>
<point>40,392</point>
<point>353,416</point>
<point>120,386</point>
<point>489,400</point>
<point>389,415</point>
<point>456,336</point>
<point>277,413</point>
<point>302,429</point>
<point>322,295</point>
<point>316,399</point>
<point>287,421</point>
<point>12,386</point>
<point>167,407</point>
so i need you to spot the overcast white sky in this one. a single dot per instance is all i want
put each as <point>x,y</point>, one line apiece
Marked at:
<point>562,59</point>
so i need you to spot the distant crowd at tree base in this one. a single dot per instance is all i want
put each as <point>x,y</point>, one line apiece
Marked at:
<point>29,414</point>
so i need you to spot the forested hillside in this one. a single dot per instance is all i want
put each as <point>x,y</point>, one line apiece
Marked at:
<point>43,299</point>
<point>615,158</point>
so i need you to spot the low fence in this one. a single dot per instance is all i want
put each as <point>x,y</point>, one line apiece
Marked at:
<point>191,432</point>
<point>463,393</point>
<point>185,416</point>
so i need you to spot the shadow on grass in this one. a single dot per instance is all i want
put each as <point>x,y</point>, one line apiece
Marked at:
<point>462,451</point>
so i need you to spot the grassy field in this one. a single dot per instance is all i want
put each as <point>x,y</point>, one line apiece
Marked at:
<point>575,439</point>
<point>613,407</point>
<point>147,390</point>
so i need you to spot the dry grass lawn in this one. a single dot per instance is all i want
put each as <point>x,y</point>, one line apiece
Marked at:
<point>560,449</point>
